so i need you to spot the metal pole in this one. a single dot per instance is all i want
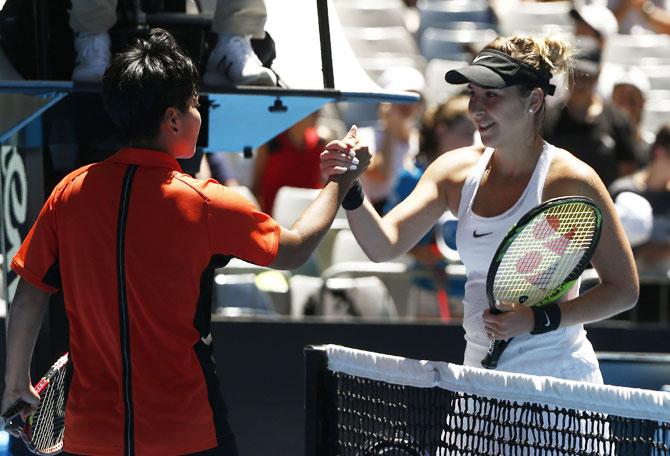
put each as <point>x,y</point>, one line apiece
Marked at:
<point>326,49</point>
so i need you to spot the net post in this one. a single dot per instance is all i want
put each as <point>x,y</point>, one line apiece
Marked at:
<point>315,365</point>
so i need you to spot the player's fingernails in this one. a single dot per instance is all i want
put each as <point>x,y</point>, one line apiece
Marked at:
<point>355,161</point>
<point>353,167</point>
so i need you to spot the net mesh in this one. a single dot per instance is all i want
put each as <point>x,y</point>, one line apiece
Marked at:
<point>375,404</point>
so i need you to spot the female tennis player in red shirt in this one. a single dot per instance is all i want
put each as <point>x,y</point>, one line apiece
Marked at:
<point>133,243</point>
<point>489,188</point>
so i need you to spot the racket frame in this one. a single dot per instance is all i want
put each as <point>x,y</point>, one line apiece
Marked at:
<point>498,346</point>
<point>25,431</point>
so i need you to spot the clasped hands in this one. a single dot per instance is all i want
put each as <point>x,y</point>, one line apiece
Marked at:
<point>345,155</point>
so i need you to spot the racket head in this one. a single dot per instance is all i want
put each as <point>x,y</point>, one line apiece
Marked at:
<point>42,431</point>
<point>545,252</point>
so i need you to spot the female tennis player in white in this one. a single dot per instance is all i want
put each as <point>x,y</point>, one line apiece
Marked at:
<point>490,187</point>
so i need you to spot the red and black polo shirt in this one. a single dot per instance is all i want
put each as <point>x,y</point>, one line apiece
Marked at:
<point>133,243</point>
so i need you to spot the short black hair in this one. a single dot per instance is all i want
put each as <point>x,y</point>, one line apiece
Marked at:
<point>145,79</point>
<point>663,137</point>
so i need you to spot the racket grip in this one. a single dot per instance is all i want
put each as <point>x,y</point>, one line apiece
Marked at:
<point>490,361</point>
<point>12,411</point>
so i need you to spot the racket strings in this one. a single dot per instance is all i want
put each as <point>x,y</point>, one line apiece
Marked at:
<point>49,419</point>
<point>545,252</point>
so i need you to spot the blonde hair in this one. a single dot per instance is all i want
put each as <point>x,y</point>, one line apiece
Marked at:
<point>552,54</point>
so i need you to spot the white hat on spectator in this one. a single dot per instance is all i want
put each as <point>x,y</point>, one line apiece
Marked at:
<point>635,77</point>
<point>402,78</point>
<point>599,17</point>
<point>636,217</point>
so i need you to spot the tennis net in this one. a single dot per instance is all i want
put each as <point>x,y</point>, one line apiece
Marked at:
<point>367,404</point>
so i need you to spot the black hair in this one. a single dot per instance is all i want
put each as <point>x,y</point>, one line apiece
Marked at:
<point>145,79</point>
<point>663,137</point>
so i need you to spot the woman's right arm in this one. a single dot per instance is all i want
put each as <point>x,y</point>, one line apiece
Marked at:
<point>385,238</point>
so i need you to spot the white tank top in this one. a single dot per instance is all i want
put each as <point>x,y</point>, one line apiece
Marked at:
<point>564,353</point>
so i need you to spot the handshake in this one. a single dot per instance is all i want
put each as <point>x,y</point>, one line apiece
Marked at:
<point>347,157</point>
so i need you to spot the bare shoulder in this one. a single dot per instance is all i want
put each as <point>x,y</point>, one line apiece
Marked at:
<point>568,175</point>
<point>449,171</point>
<point>453,167</point>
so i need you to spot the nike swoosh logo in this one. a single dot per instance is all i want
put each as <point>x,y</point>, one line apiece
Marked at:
<point>546,317</point>
<point>482,57</point>
<point>478,235</point>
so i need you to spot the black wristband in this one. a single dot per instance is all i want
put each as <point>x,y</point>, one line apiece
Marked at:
<point>547,318</point>
<point>354,197</point>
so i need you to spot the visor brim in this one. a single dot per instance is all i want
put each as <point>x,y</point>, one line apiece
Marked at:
<point>478,75</point>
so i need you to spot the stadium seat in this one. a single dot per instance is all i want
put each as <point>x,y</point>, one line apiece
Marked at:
<point>656,113</point>
<point>247,193</point>
<point>349,260</point>
<point>658,75</point>
<point>454,44</point>
<point>290,202</point>
<point>376,64</point>
<point>535,17</point>
<point>437,90</point>
<point>371,41</point>
<point>647,50</point>
<point>372,14</point>
<point>238,295</point>
<point>357,297</point>
<point>436,13</point>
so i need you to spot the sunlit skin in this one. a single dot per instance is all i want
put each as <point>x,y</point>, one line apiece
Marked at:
<point>508,120</point>
<point>502,118</point>
<point>178,132</point>
<point>629,99</point>
<point>583,101</point>
<point>183,140</point>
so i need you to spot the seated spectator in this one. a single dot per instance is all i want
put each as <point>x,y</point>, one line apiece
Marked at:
<point>215,165</point>
<point>590,127</point>
<point>643,203</point>
<point>444,128</point>
<point>231,62</point>
<point>653,183</point>
<point>291,159</point>
<point>594,21</point>
<point>629,94</point>
<point>395,139</point>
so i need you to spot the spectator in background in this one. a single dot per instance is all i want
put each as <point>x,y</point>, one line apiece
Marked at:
<point>232,61</point>
<point>291,159</point>
<point>395,139</point>
<point>629,93</point>
<point>653,183</point>
<point>215,165</point>
<point>588,126</point>
<point>643,203</point>
<point>445,127</point>
<point>594,21</point>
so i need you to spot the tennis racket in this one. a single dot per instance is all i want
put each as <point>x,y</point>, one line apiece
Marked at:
<point>541,257</point>
<point>42,431</point>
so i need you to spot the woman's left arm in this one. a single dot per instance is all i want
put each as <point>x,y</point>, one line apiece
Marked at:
<point>618,289</point>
